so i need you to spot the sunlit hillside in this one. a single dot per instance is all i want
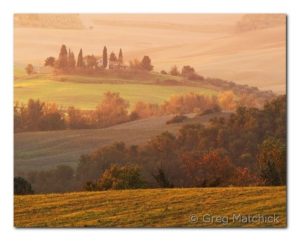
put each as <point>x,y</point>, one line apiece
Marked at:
<point>152,208</point>
<point>210,43</point>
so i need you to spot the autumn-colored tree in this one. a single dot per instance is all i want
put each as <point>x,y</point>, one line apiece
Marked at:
<point>227,100</point>
<point>29,69</point>
<point>112,110</point>
<point>52,118</point>
<point>76,119</point>
<point>104,56</point>
<point>145,110</point>
<point>243,177</point>
<point>216,169</point>
<point>188,103</point>
<point>80,62</point>
<point>34,114</point>
<point>191,165</point>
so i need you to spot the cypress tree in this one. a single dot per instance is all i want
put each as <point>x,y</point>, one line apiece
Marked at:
<point>63,57</point>
<point>80,59</point>
<point>72,61</point>
<point>104,57</point>
<point>120,59</point>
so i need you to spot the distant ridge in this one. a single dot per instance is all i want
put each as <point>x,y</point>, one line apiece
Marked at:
<point>250,22</point>
<point>60,21</point>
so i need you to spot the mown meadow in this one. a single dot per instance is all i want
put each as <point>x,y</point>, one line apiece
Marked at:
<point>188,207</point>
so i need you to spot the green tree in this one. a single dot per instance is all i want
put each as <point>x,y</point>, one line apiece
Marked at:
<point>272,161</point>
<point>121,177</point>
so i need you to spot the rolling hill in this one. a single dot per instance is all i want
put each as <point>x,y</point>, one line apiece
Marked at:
<point>187,207</point>
<point>60,21</point>
<point>208,42</point>
<point>47,149</point>
<point>86,92</point>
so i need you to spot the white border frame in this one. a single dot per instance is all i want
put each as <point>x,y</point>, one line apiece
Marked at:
<point>9,7</point>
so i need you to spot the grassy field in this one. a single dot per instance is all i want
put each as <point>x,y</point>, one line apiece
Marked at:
<point>47,149</point>
<point>87,92</point>
<point>152,208</point>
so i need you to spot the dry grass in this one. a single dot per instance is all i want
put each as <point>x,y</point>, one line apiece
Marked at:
<point>150,207</point>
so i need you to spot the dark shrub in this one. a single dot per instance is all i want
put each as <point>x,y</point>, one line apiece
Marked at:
<point>22,186</point>
<point>177,119</point>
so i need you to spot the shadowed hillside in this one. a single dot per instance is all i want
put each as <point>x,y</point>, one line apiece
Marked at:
<point>45,150</point>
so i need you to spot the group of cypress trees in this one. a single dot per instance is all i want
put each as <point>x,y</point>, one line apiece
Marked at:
<point>66,59</point>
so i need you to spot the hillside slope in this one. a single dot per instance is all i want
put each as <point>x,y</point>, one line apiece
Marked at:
<point>152,208</point>
<point>73,91</point>
<point>208,42</point>
<point>47,149</point>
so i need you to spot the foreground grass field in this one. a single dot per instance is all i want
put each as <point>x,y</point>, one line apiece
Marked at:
<point>87,92</point>
<point>152,208</point>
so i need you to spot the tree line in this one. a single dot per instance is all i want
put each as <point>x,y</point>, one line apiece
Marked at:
<point>247,149</point>
<point>37,115</point>
<point>67,63</point>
